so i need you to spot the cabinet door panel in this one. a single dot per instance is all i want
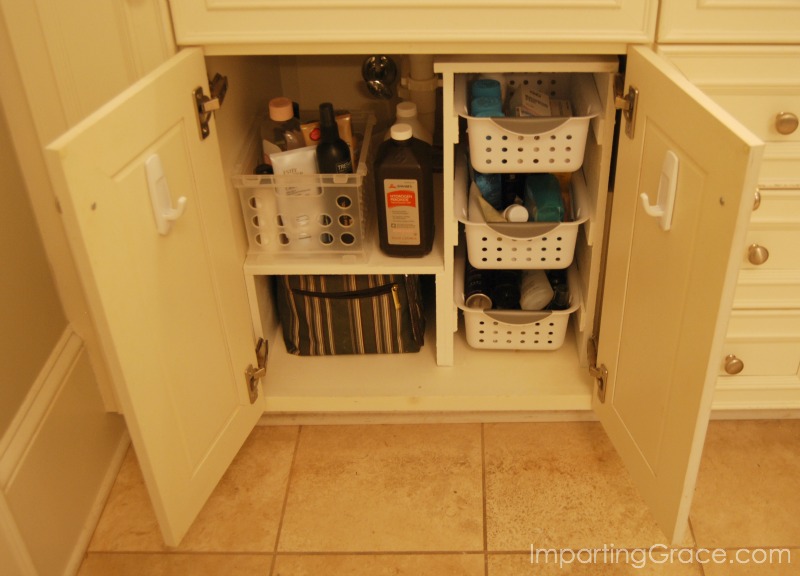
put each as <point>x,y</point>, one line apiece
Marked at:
<point>729,21</point>
<point>171,309</point>
<point>668,293</point>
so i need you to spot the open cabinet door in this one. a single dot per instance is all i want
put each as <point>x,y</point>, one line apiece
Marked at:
<point>171,305</point>
<point>669,285</point>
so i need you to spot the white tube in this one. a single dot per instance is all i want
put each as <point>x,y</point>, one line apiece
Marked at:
<point>421,66</point>
<point>298,199</point>
<point>422,84</point>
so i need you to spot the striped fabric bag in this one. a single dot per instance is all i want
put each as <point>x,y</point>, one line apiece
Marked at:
<point>344,314</point>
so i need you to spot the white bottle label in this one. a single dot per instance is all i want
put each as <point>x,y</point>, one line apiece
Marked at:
<point>401,198</point>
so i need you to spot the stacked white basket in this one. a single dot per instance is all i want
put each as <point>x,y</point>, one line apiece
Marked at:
<point>523,145</point>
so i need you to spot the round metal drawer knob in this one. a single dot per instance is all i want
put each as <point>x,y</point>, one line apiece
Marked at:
<point>786,122</point>
<point>757,254</point>
<point>733,365</point>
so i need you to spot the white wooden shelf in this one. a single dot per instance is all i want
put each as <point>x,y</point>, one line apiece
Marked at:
<point>480,381</point>
<point>372,261</point>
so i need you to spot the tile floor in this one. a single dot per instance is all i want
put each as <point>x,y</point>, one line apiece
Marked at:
<point>460,499</point>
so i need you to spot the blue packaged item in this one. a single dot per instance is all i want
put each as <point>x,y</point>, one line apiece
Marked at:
<point>486,87</point>
<point>491,188</point>
<point>543,198</point>
<point>486,106</point>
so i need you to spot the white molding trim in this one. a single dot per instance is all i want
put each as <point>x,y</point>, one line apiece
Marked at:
<point>21,561</point>
<point>347,418</point>
<point>16,441</point>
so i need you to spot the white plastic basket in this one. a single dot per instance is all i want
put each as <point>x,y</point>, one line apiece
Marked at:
<point>515,329</point>
<point>336,212</point>
<point>519,245</point>
<point>542,144</point>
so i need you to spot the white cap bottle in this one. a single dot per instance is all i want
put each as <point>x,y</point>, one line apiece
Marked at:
<point>516,213</point>
<point>407,114</point>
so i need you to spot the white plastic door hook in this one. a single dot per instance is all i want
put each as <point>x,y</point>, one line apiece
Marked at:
<point>667,186</point>
<point>165,214</point>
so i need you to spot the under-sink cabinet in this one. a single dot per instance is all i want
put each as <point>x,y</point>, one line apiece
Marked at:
<point>180,312</point>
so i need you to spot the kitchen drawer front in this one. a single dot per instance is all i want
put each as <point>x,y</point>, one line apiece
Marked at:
<point>780,164</point>
<point>773,235</point>
<point>422,26</point>
<point>760,289</point>
<point>778,243</point>
<point>766,342</point>
<point>764,110</point>
<point>774,205</point>
<point>729,21</point>
<point>759,86</point>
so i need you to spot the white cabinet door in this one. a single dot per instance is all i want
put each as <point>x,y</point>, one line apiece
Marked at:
<point>668,293</point>
<point>171,308</point>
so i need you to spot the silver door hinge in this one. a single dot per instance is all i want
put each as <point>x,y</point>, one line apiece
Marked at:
<point>206,105</point>
<point>626,103</point>
<point>599,373</point>
<point>254,375</point>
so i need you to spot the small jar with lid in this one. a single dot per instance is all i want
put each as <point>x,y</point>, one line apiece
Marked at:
<point>281,132</point>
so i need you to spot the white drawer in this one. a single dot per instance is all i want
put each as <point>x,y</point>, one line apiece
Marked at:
<point>776,205</point>
<point>729,22</point>
<point>780,164</point>
<point>767,342</point>
<point>755,84</point>
<point>759,289</point>
<point>759,108</point>
<point>778,243</point>
<point>773,235</point>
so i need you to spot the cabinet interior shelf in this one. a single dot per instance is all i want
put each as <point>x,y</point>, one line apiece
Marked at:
<point>480,381</point>
<point>372,261</point>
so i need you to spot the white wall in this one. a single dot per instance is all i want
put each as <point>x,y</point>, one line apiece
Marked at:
<point>31,313</point>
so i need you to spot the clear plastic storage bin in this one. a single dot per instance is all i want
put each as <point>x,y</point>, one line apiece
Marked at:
<point>515,329</point>
<point>309,213</point>
<point>532,144</point>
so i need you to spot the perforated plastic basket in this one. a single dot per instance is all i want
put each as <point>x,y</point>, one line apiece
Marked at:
<point>519,245</point>
<point>541,144</point>
<point>515,329</point>
<point>330,217</point>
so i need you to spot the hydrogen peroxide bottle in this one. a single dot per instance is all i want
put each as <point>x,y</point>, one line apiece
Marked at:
<point>404,194</point>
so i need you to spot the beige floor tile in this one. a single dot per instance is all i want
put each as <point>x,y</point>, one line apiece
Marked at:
<point>381,565</point>
<point>242,514</point>
<point>757,562</point>
<point>747,489</point>
<point>585,563</point>
<point>560,485</point>
<point>385,488</point>
<point>115,564</point>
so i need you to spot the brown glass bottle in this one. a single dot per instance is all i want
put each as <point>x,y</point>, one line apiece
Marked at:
<point>404,194</point>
